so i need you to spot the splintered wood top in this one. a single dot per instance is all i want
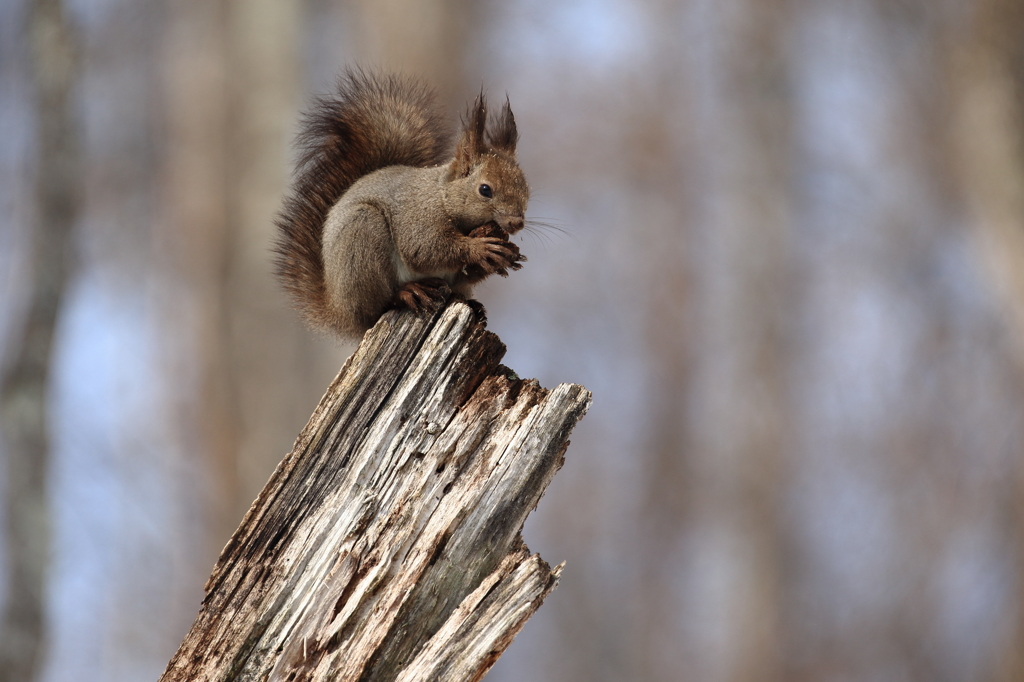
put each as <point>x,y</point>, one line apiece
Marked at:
<point>386,545</point>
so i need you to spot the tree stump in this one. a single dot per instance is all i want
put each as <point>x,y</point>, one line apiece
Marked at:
<point>387,545</point>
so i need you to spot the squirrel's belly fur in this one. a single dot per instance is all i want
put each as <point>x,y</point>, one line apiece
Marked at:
<point>404,274</point>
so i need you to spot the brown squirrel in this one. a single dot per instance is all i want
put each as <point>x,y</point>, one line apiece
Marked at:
<point>382,215</point>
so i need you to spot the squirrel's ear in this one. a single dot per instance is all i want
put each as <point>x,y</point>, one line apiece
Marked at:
<point>471,144</point>
<point>504,135</point>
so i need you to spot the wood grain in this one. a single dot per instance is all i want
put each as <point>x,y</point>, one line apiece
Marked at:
<point>386,545</point>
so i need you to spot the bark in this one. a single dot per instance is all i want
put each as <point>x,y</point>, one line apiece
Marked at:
<point>387,543</point>
<point>23,386</point>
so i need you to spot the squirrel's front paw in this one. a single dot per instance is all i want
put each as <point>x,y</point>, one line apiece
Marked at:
<point>423,294</point>
<point>492,254</point>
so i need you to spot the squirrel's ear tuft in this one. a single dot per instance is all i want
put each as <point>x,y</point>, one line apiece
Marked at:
<point>504,135</point>
<point>471,144</point>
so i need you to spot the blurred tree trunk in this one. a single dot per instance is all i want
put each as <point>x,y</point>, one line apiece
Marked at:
<point>670,343</point>
<point>432,39</point>
<point>738,399</point>
<point>23,386</point>
<point>195,230</point>
<point>987,91</point>
<point>276,369</point>
<point>232,86</point>
<point>987,86</point>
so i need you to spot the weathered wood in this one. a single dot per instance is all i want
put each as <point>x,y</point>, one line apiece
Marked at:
<point>387,544</point>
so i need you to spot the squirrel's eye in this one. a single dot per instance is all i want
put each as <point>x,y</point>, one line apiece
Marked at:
<point>485,191</point>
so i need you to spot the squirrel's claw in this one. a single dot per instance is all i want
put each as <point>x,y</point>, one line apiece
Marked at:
<point>496,255</point>
<point>423,294</point>
<point>493,254</point>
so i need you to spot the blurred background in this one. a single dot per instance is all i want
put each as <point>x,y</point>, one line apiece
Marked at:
<point>789,263</point>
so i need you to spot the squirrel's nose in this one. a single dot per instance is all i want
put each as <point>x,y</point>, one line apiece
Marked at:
<point>514,224</point>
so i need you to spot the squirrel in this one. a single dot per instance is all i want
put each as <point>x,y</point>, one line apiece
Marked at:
<point>383,214</point>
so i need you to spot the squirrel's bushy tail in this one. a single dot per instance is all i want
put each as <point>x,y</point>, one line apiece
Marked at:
<point>371,122</point>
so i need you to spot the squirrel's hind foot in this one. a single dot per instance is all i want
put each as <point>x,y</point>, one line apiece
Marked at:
<point>423,294</point>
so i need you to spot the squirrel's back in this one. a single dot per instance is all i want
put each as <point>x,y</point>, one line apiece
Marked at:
<point>371,122</point>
